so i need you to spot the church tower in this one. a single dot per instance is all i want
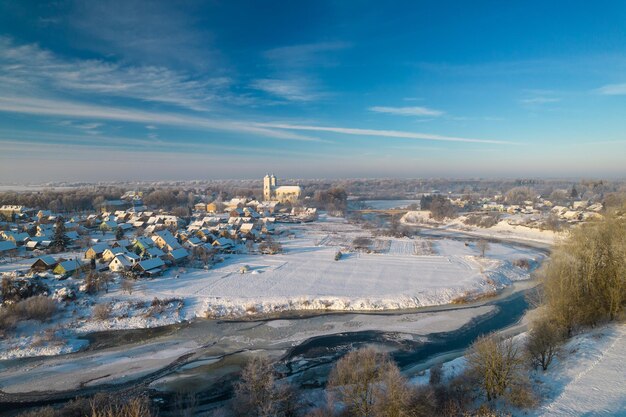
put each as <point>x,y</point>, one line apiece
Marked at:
<point>267,187</point>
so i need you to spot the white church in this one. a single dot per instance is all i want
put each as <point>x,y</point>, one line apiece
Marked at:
<point>282,194</point>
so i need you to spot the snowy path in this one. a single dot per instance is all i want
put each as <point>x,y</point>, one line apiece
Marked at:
<point>598,386</point>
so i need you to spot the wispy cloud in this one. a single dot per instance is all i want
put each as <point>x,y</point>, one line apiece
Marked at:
<point>540,100</point>
<point>381,133</point>
<point>407,111</point>
<point>62,108</point>
<point>154,32</point>
<point>27,67</point>
<point>612,89</point>
<point>305,54</point>
<point>292,89</point>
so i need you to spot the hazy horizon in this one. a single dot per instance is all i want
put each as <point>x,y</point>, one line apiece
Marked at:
<point>149,91</point>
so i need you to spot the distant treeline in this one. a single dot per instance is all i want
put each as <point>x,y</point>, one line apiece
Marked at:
<point>319,192</point>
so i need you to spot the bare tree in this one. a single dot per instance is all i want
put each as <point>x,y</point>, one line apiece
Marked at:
<point>258,394</point>
<point>543,342</point>
<point>483,246</point>
<point>367,383</point>
<point>496,363</point>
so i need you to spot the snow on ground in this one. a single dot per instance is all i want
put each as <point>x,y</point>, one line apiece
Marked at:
<point>502,230</point>
<point>407,273</point>
<point>306,276</point>
<point>589,378</point>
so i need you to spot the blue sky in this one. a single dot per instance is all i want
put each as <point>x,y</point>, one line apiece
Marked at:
<point>134,90</point>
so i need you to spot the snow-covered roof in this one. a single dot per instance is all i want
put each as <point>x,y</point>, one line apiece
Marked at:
<point>178,254</point>
<point>6,245</point>
<point>151,264</point>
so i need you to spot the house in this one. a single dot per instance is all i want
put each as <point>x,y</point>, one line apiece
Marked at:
<point>46,230</point>
<point>246,228</point>
<point>178,256</point>
<point>108,225</point>
<point>192,242</point>
<point>211,207</point>
<point>150,267</point>
<point>200,207</point>
<point>236,203</point>
<point>18,238</point>
<point>43,263</point>
<point>125,227</point>
<point>96,251</point>
<point>250,212</point>
<point>120,263</point>
<point>238,212</point>
<point>6,246</point>
<point>9,210</point>
<point>32,245</point>
<point>165,240</point>
<point>67,268</point>
<point>110,253</point>
<point>43,214</point>
<point>223,243</point>
<point>123,243</point>
<point>142,243</point>
<point>153,252</point>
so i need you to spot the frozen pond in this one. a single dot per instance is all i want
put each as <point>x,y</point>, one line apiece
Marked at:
<point>389,204</point>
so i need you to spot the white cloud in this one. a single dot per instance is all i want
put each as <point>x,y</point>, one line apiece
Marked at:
<point>291,89</point>
<point>613,89</point>
<point>380,133</point>
<point>24,68</point>
<point>540,100</point>
<point>305,54</point>
<point>62,108</point>
<point>407,111</point>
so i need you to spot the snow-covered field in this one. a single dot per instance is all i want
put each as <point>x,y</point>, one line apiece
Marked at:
<point>306,276</point>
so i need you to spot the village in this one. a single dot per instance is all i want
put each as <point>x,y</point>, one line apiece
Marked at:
<point>138,242</point>
<point>128,265</point>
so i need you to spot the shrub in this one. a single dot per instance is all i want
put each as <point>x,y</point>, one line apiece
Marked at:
<point>543,341</point>
<point>14,290</point>
<point>584,278</point>
<point>482,220</point>
<point>496,363</point>
<point>101,311</point>
<point>127,285</point>
<point>97,281</point>
<point>522,263</point>
<point>34,308</point>
<point>368,383</point>
<point>257,394</point>
<point>436,374</point>
<point>338,255</point>
<point>521,395</point>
